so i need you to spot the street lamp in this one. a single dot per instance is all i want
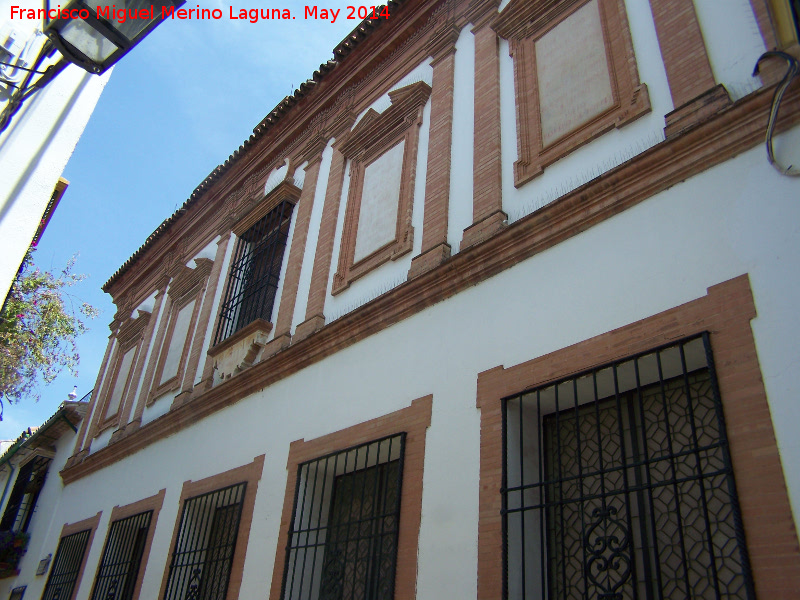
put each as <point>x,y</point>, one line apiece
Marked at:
<point>92,34</point>
<point>95,34</point>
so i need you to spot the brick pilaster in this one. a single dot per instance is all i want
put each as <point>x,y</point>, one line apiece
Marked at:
<point>291,280</point>
<point>487,197</point>
<point>435,248</point>
<point>315,317</point>
<point>695,95</point>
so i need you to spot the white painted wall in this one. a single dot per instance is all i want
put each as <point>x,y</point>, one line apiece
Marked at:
<point>663,252</point>
<point>36,146</point>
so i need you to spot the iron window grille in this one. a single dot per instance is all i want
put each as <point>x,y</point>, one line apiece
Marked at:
<point>17,593</point>
<point>22,501</point>
<point>255,272</point>
<point>203,553</point>
<point>66,566</point>
<point>617,484</point>
<point>343,540</point>
<point>122,557</point>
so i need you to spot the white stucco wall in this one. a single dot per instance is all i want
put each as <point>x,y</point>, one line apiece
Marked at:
<point>663,252</point>
<point>35,148</point>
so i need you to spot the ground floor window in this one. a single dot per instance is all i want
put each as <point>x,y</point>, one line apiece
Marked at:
<point>122,557</point>
<point>203,553</point>
<point>343,539</point>
<point>617,484</point>
<point>66,566</point>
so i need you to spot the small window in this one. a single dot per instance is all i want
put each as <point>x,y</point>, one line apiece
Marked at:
<point>343,540</point>
<point>122,558</point>
<point>22,501</point>
<point>17,593</point>
<point>255,272</point>
<point>618,484</point>
<point>66,566</point>
<point>203,553</point>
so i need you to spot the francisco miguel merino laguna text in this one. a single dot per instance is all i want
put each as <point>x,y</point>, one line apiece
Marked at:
<point>253,15</point>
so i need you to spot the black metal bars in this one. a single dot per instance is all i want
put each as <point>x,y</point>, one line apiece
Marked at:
<point>255,272</point>
<point>22,500</point>
<point>343,541</point>
<point>66,566</point>
<point>122,557</point>
<point>617,484</point>
<point>203,553</point>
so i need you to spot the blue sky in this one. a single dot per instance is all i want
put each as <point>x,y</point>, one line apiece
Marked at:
<point>175,107</point>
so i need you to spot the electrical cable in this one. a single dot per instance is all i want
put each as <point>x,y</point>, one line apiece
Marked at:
<point>21,67</point>
<point>791,72</point>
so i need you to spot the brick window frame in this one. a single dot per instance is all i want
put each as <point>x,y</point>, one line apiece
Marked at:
<point>67,530</point>
<point>414,421</point>
<point>373,136</point>
<point>249,474</point>
<point>131,336</point>
<point>725,312</point>
<point>523,23</point>
<point>118,513</point>
<point>188,286</point>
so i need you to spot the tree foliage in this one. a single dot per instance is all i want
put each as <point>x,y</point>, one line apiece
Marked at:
<point>38,329</point>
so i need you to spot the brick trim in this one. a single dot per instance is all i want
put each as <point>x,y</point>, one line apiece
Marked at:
<point>85,425</point>
<point>118,513</point>
<point>523,23</point>
<point>249,473</point>
<point>435,248</point>
<point>414,420</point>
<point>725,312</point>
<point>732,131</point>
<point>68,529</point>
<point>487,185</point>
<point>297,250</point>
<point>372,137</point>
<point>161,310</point>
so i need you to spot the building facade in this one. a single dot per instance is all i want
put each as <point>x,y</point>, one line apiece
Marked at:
<point>500,304</point>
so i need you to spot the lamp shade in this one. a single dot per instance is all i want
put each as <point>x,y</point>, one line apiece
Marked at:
<point>95,34</point>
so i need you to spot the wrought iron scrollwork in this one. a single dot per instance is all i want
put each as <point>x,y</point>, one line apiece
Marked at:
<point>608,545</point>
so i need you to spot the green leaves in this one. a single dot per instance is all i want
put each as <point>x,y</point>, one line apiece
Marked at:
<point>38,328</point>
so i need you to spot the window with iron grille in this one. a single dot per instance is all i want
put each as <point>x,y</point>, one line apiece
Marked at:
<point>22,501</point>
<point>17,593</point>
<point>122,557</point>
<point>203,553</point>
<point>66,566</point>
<point>255,272</point>
<point>343,539</point>
<point>617,484</point>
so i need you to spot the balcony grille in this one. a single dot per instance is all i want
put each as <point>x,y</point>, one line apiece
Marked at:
<point>255,272</point>
<point>22,500</point>
<point>203,553</point>
<point>617,484</point>
<point>343,540</point>
<point>66,566</point>
<point>122,557</point>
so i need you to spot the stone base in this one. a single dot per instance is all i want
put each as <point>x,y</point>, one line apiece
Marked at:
<point>181,399</point>
<point>429,260</point>
<point>701,108</point>
<point>276,345</point>
<point>309,326</point>
<point>484,229</point>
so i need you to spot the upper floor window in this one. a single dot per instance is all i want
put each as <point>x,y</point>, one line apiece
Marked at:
<point>255,272</point>
<point>618,483</point>
<point>22,501</point>
<point>343,540</point>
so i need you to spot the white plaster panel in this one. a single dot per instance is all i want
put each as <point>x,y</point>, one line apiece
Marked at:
<point>377,221</point>
<point>733,42</point>
<point>601,154</point>
<point>572,68</point>
<point>173,359</point>
<point>119,384</point>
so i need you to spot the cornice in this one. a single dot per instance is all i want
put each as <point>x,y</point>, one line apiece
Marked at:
<point>521,18</point>
<point>731,131</point>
